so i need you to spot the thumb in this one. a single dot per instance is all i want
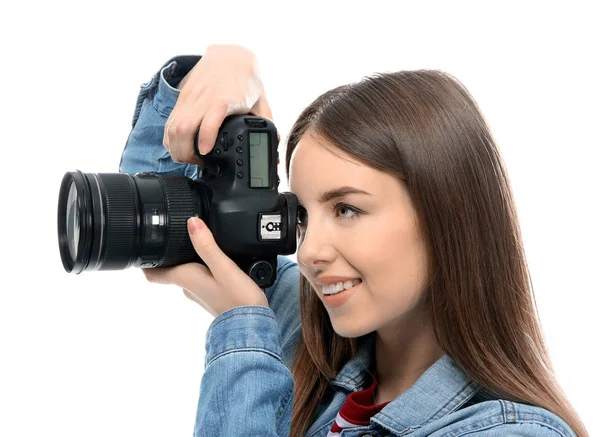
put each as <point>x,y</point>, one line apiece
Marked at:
<point>205,245</point>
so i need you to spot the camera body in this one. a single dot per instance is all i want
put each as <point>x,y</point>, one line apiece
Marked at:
<point>115,221</point>
<point>247,215</point>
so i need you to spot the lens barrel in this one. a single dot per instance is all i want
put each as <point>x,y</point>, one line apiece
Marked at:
<point>112,221</point>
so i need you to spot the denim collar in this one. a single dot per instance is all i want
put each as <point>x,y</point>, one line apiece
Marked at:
<point>440,390</point>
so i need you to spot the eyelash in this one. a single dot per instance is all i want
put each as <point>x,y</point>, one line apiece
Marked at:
<point>334,208</point>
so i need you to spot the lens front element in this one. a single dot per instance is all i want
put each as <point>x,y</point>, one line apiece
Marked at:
<point>72,222</point>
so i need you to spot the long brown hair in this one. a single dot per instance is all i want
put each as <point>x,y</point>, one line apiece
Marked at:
<point>424,128</point>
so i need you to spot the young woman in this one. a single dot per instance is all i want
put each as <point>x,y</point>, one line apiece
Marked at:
<point>410,310</point>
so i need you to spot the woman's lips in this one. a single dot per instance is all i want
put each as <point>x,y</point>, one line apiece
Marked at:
<point>339,299</point>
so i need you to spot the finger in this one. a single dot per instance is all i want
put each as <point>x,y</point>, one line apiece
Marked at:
<point>157,275</point>
<point>165,275</point>
<point>209,128</point>
<point>202,239</point>
<point>171,134</point>
<point>181,101</point>
<point>188,275</point>
<point>175,131</point>
<point>176,148</point>
<point>165,141</point>
<point>187,130</point>
<point>193,276</point>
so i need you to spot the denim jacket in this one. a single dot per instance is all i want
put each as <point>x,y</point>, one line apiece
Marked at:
<point>247,387</point>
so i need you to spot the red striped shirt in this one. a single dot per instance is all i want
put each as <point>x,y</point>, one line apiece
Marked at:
<point>357,409</point>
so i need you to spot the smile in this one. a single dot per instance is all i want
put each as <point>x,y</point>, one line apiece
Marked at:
<point>338,287</point>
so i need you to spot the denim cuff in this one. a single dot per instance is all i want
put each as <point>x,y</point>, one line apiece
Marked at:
<point>243,328</point>
<point>161,88</point>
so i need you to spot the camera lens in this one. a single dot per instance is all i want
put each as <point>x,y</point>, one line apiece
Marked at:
<point>112,221</point>
<point>72,222</point>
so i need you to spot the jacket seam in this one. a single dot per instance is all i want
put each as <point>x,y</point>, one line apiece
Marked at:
<point>455,402</point>
<point>253,349</point>
<point>328,424</point>
<point>155,106</point>
<point>285,401</point>
<point>508,411</point>
<point>399,432</point>
<point>162,78</point>
<point>245,313</point>
<point>499,423</point>
<point>508,416</point>
<point>515,416</point>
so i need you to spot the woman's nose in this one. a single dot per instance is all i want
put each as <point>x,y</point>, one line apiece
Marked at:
<point>315,246</point>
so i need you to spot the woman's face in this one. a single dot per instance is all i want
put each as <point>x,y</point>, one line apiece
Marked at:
<point>372,237</point>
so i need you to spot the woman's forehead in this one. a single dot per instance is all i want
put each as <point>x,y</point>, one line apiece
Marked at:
<point>318,159</point>
<point>312,150</point>
<point>316,166</point>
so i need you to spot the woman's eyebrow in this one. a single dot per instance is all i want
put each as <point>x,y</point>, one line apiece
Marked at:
<point>340,192</point>
<point>337,193</point>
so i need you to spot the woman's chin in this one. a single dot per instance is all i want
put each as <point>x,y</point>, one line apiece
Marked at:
<point>349,328</point>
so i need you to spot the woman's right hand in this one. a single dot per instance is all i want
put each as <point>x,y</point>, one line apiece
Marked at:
<point>224,82</point>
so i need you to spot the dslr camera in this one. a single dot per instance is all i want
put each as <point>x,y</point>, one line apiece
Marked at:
<point>113,221</point>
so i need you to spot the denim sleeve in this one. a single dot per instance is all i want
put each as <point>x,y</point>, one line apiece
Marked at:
<point>143,150</point>
<point>247,387</point>
<point>283,298</point>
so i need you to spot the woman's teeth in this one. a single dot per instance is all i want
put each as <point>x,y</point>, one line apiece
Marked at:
<point>340,286</point>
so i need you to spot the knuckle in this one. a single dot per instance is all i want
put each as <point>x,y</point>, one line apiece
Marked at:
<point>223,98</point>
<point>182,128</point>
<point>224,101</point>
<point>187,155</point>
<point>210,125</point>
<point>175,155</point>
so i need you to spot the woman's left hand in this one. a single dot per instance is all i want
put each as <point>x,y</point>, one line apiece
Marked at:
<point>218,286</point>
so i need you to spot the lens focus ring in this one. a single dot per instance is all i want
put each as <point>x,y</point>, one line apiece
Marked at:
<point>181,205</point>
<point>121,216</point>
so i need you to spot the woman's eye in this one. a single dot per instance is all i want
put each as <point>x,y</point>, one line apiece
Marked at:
<point>346,211</point>
<point>341,211</point>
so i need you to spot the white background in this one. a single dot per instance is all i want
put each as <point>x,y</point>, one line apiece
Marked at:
<point>108,354</point>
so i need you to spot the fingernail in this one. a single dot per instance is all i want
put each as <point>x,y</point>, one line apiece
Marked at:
<point>202,148</point>
<point>194,225</point>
